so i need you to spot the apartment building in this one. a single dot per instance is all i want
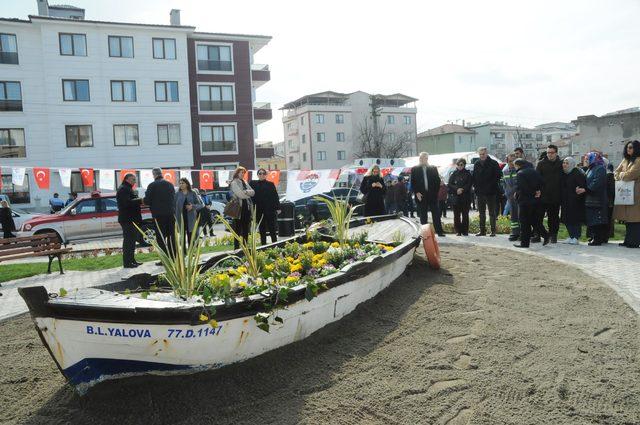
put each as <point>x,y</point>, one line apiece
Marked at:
<point>447,138</point>
<point>326,130</point>
<point>501,138</point>
<point>225,114</point>
<point>79,93</point>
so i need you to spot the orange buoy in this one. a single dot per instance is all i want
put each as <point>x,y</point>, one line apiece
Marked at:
<point>431,247</point>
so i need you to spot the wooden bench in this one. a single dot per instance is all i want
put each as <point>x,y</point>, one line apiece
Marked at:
<point>47,244</point>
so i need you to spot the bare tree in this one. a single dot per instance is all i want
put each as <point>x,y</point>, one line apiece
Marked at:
<point>378,143</point>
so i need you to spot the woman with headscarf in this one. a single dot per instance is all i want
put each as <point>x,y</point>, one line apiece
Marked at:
<point>629,170</point>
<point>571,201</point>
<point>374,189</point>
<point>596,201</point>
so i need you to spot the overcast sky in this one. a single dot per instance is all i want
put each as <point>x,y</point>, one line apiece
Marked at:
<point>523,63</point>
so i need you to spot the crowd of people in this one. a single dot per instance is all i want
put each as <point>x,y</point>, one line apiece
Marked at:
<point>562,190</point>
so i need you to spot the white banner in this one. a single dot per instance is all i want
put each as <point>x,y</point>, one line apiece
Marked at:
<point>107,179</point>
<point>65,176</point>
<point>301,184</point>
<point>186,175</point>
<point>17,175</point>
<point>146,178</point>
<point>223,177</point>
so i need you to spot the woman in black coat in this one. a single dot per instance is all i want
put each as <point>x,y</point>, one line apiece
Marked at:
<point>459,187</point>
<point>6,220</point>
<point>374,189</point>
<point>572,202</point>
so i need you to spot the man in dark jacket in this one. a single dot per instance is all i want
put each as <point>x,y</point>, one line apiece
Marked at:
<point>128,215</point>
<point>425,183</point>
<point>161,198</point>
<point>529,185</point>
<point>267,204</point>
<point>486,181</point>
<point>550,168</point>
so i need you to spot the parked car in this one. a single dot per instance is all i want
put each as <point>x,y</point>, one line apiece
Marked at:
<point>218,195</point>
<point>20,216</point>
<point>309,209</point>
<point>92,216</point>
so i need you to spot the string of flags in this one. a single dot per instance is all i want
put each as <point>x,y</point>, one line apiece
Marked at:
<point>299,182</point>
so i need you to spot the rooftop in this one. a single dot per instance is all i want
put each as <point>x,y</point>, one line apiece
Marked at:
<point>335,98</point>
<point>446,129</point>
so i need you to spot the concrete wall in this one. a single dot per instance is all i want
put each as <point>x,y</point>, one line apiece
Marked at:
<point>606,134</point>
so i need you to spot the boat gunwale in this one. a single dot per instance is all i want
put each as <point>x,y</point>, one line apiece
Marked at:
<point>37,298</point>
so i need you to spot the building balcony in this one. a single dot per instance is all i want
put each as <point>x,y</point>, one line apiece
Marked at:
<point>260,74</point>
<point>262,112</point>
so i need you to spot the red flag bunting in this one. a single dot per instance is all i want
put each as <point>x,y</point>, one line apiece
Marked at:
<point>170,176</point>
<point>274,176</point>
<point>386,171</point>
<point>206,179</point>
<point>42,176</point>
<point>361,170</point>
<point>87,176</point>
<point>123,173</point>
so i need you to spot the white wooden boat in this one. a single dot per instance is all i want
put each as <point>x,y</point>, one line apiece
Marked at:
<point>96,334</point>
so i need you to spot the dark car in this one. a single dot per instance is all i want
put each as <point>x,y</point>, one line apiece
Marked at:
<point>309,210</point>
<point>219,195</point>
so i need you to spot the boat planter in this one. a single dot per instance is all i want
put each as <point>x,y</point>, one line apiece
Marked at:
<point>99,333</point>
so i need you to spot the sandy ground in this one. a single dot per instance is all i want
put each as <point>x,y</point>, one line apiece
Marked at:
<point>471,344</point>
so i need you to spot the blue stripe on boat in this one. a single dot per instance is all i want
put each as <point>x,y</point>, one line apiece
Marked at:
<point>89,370</point>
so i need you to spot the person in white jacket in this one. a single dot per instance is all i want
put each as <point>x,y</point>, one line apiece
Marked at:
<point>243,192</point>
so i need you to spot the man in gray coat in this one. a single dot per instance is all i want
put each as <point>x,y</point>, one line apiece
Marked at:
<point>161,198</point>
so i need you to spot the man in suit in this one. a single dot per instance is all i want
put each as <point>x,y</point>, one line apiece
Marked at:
<point>128,215</point>
<point>425,183</point>
<point>161,198</point>
<point>486,181</point>
<point>529,185</point>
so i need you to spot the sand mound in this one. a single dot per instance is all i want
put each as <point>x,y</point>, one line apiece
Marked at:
<point>493,337</point>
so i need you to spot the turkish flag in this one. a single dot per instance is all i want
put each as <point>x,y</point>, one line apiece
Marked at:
<point>170,176</point>
<point>274,176</point>
<point>206,179</point>
<point>361,171</point>
<point>386,171</point>
<point>87,176</point>
<point>42,176</point>
<point>123,173</point>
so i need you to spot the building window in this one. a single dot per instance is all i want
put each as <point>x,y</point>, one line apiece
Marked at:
<point>340,136</point>
<point>320,137</point>
<point>16,194</point>
<point>73,44</point>
<point>164,48</point>
<point>214,58</point>
<point>322,155</point>
<point>168,134</point>
<point>304,138</point>
<point>302,120</point>
<point>304,157</point>
<point>10,96</point>
<point>126,135</point>
<point>166,91</point>
<point>79,136</point>
<point>75,90</point>
<point>120,46</point>
<point>407,119</point>
<point>392,137</point>
<point>218,138</point>
<point>12,143</point>
<point>123,91</point>
<point>319,118</point>
<point>498,135</point>
<point>290,159</point>
<point>339,119</point>
<point>8,49</point>
<point>342,155</point>
<point>216,98</point>
<point>290,143</point>
<point>391,119</point>
<point>538,137</point>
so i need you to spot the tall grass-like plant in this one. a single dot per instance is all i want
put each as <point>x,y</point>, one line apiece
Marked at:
<point>182,266</point>
<point>250,246</point>
<point>341,213</point>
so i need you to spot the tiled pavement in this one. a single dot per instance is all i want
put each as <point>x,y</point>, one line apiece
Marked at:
<point>616,266</point>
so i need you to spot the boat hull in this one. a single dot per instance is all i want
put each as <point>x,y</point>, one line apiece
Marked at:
<point>89,352</point>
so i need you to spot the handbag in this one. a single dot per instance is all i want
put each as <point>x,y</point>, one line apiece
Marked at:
<point>233,208</point>
<point>624,193</point>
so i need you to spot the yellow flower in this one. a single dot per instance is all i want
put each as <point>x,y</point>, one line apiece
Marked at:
<point>242,269</point>
<point>203,317</point>
<point>295,267</point>
<point>335,244</point>
<point>356,245</point>
<point>291,279</point>
<point>242,284</point>
<point>290,259</point>
<point>268,267</point>
<point>213,323</point>
<point>307,245</point>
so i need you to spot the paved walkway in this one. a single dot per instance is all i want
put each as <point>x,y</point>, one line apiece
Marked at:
<point>616,266</point>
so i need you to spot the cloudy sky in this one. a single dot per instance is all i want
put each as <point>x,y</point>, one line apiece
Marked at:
<point>520,62</point>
